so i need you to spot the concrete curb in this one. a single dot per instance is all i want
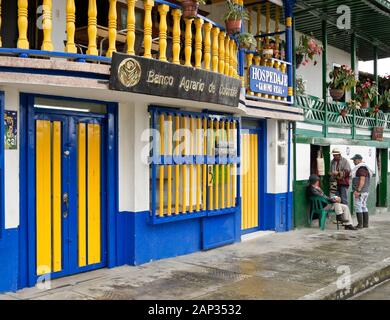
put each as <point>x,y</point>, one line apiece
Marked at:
<point>360,281</point>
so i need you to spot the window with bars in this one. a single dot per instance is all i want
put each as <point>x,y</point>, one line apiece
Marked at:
<point>194,159</point>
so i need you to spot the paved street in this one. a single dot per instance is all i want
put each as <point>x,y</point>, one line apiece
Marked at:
<point>275,266</point>
<point>380,292</point>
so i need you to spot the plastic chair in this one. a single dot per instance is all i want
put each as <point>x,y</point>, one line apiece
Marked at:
<point>318,205</point>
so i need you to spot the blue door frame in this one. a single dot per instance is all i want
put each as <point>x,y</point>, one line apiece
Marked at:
<point>27,246</point>
<point>261,131</point>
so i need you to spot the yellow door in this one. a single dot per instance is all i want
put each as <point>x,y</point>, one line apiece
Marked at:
<point>250,183</point>
<point>68,196</point>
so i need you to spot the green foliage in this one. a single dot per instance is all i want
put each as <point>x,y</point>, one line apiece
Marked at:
<point>247,41</point>
<point>235,12</point>
<point>385,98</point>
<point>342,78</point>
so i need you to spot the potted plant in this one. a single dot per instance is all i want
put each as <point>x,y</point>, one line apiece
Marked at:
<point>190,8</point>
<point>343,112</point>
<point>307,50</point>
<point>247,41</point>
<point>385,101</point>
<point>366,92</point>
<point>301,86</point>
<point>234,16</point>
<point>342,79</point>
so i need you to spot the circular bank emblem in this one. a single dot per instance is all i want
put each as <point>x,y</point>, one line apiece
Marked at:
<point>129,72</point>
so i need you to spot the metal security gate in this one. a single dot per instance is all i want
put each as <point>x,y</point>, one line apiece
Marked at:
<point>69,192</point>
<point>250,181</point>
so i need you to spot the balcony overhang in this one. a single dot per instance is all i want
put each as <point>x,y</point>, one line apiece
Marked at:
<point>370,20</point>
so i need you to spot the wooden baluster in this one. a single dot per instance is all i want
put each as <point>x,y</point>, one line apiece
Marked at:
<point>227,55</point>
<point>188,42</point>
<point>215,47</point>
<point>176,13</point>
<point>207,45</point>
<point>47,25</point>
<point>257,63</point>
<point>148,24</point>
<point>163,9</point>
<point>130,26</point>
<point>249,59</point>
<point>1,43</point>
<point>235,61</point>
<point>198,42</point>
<point>221,68</point>
<point>92,28</point>
<point>70,26</point>
<point>23,24</point>
<point>259,26</point>
<point>231,57</point>
<point>112,23</point>
<point>277,29</point>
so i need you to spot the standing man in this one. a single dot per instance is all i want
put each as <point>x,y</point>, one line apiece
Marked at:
<point>340,171</point>
<point>361,176</point>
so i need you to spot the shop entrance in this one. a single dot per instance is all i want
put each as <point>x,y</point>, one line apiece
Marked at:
<point>68,183</point>
<point>382,169</point>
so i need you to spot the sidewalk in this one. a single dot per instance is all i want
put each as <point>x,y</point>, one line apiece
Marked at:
<point>288,265</point>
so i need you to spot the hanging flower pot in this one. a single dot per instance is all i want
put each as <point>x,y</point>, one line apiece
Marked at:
<point>190,8</point>
<point>233,17</point>
<point>343,112</point>
<point>246,41</point>
<point>336,94</point>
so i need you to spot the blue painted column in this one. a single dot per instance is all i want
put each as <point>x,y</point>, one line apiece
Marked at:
<point>288,9</point>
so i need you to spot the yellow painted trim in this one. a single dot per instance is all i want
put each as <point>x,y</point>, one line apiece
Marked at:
<point>161,167</point>
<point>204,181</point>
<point>94,254</point>
<point>216,176</point>
<point>184,170</point>
<point>82,197</point>
<point>43,197</point>
<point>56,196</point>
<point>288,22</point>
<point>177,167</point>
<point>169,186</point>
<point>191,209</point>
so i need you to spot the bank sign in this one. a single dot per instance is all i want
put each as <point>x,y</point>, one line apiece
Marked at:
<point>269,81</point>
<point>154,77</point>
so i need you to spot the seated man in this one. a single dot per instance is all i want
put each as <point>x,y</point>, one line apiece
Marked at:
<point>342,211</point>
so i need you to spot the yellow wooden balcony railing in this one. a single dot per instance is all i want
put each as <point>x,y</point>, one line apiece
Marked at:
<point>199,43</point>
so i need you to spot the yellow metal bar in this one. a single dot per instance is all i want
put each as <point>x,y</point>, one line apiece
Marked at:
<point>256,174</point>
<point>56,196</point>
<point>94,254</point>
<point>211,143</point>
<point>223,168</point>
<point>204,180</point>
<point>112,24</point>
<point>82,204</point>
<point>43,197</point>
<point>184,169</point>
<point>191,165</point>
<point>177,167</point>
<point>228,181</point>
<point>161,167</point>
<point>92,28</point>
<point>70,26</point>
<point>169,168</point>
<point>23,24</point>
<point>163,10</point>
<point>216,177</point>
<point>198,168</point>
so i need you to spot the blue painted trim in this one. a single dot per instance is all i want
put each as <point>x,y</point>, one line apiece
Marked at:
<point>289,214</point>
<point>250,230</point>
<point>179,217</point>
<point>56,72</point>
<point>2,185</point>
<point>55,54</point>
<point>27,276</point>
<point>250,97</point>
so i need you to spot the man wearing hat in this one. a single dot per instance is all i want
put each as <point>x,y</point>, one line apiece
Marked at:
<point>340,171</point>
<point>361,175</point>
<point>342,211</point>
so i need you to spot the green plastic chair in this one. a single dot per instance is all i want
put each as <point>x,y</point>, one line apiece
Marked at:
<point>317,206</point>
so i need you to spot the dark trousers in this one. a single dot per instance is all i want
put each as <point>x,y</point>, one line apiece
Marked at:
<point>342,192</point>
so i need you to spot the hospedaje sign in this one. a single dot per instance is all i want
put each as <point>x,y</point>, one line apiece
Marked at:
<point>268,80</point>
<point>153,77</point>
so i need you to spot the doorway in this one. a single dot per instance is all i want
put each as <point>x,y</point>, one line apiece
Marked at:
<point>382,169</point>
